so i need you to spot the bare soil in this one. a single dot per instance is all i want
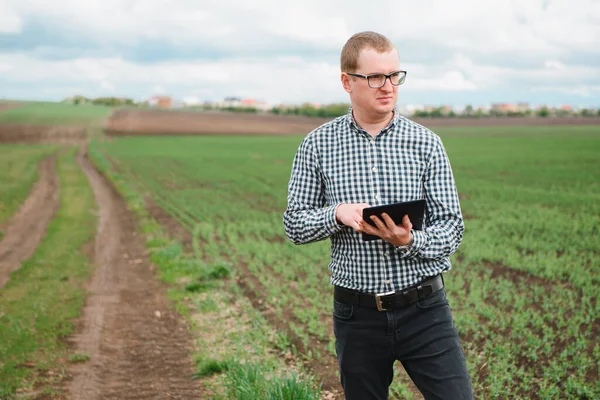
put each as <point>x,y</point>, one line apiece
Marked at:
<point>139,348</point>
<point>167,122</point>
<point>6,106</point>
<point>24,231</point>
<point>25,133</point>
<point>159,122</point>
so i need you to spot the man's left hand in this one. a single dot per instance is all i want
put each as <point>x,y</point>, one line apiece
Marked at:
<point>398,235</point>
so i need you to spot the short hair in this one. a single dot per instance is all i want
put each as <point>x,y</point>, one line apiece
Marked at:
<point>358,42</point>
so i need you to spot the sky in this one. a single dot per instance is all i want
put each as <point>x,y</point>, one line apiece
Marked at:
<point>543,52</point>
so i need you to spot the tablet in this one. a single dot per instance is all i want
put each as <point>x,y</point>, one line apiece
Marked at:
<point>415,210</point>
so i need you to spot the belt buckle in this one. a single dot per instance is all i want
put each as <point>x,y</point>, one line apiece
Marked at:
<point>378,300</point>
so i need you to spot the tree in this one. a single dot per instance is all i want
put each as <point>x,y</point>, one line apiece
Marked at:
<point>543,112</point>
<point>469,110</point>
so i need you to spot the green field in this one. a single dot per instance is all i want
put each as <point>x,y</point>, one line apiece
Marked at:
<point>43,113</point>
<point>18,172</point>
<point>524,282</point>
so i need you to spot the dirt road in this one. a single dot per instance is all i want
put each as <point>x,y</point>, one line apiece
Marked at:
<point>138,346</point>
<point>26,229</point>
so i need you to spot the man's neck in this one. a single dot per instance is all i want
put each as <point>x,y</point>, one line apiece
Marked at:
<point>372,124</point>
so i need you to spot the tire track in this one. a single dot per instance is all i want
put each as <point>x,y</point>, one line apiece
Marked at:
<point>26,229</point>
<point>137,345</point>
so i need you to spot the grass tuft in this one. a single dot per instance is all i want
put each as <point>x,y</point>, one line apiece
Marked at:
<point>248,381</point>
<point>209,367</point>
<point>79,358</point>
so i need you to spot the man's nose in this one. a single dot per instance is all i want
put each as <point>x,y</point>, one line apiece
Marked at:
<point>387,86</point>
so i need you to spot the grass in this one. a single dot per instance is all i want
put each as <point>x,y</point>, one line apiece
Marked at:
<point>46,113</point>
<point>18,173</point>
<point>227,328</point>
<point>79,358</point>
<point>247,381</point>
<point>39,303</point>
<point>524,282</point>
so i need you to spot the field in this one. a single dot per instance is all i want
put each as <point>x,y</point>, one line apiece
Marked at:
<point>246,312</point>
<point>524,283</point>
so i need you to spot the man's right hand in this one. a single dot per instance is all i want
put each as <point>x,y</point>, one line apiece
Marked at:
<point>350,214</point>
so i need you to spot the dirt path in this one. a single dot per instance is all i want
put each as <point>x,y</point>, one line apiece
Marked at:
<point>138,347</point>
<point>26,229</point>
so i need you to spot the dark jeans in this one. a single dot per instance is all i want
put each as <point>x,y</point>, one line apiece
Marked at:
<point>422,336</point>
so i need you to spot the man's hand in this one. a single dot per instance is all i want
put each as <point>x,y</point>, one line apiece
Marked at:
<point>398,235</point>
<point>351,214</point>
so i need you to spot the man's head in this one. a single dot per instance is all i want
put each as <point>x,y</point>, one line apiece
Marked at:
<point>365,54</point>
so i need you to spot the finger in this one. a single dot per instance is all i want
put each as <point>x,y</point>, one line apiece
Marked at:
<point>378,222</point>
<point>388,220</point>
<point>365,227</point>
<point>406,222</point>
<point>356,226</point>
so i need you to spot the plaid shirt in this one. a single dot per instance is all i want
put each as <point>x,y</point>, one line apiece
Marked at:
<point>341,163</point>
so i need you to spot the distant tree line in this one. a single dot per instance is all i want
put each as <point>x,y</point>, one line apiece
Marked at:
<point>337,109</point>
<point>470,112</point>
<point>309,110</point>
<point>102,101</point>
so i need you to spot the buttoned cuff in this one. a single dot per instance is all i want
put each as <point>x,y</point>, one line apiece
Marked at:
<point>333,225</point>
<point>419,241</point>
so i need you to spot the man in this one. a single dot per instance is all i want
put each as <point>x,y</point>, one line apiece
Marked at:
<point>389,299</point>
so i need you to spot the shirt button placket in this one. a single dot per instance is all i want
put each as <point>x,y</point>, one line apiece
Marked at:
<point>376,195</point>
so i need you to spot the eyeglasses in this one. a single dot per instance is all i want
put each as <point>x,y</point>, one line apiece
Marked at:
<point>376,81</point>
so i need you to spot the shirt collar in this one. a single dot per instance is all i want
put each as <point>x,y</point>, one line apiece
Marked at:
<point>352,122</point>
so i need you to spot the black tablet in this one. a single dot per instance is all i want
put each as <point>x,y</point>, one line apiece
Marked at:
<point>415,210</point>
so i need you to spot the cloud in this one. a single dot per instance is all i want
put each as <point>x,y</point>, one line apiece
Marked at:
<point>447,81</point>
<point>528,28</point>
<point>554,64</point>
<point>288,51</point>
<point>580,90</point>
<point>10,21</point>
<point>280,79</point>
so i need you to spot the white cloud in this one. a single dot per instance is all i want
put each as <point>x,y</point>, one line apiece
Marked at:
<point>514,26</point>
<point>10,21</point>
<point>285,80</point>
<point>447,81</point>
<point>580,90</point>
<point>104,84</point>
<point>463,46</point>
<point>554,64</point>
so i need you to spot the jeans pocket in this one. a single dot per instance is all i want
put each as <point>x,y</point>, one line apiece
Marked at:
<point>436,299</point>
<point>341,310</point>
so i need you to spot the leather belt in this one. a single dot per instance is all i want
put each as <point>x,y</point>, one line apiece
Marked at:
<point>390,300</point>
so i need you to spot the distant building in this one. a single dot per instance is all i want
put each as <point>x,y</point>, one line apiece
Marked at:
<point>504,107</point>
<point>446,110</point>
<point>160,101</point>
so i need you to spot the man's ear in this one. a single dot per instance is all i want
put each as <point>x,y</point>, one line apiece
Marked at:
<point>346,82</point>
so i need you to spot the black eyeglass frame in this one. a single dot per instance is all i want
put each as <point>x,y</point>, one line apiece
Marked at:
<point>386,77</point>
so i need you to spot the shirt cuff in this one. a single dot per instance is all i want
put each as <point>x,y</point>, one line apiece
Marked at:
<point>419,241</point>
<point>333,225</point>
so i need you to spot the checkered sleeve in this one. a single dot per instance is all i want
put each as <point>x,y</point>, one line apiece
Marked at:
<point>444,225</point>
<point>307,218</point>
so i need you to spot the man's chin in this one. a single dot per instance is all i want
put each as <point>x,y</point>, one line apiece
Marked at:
<point>385,109</point>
